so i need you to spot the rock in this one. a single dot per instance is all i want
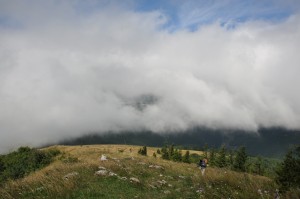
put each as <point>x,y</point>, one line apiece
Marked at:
<point>70,175</point>
<point>101,168</point>
<point>103,158</point>
<point>134,180</point>
<point>162,182</point>
<point>101,172</point>
<point>112,174</point>
<point>156,167</point>
<point>152,186</point>
<point>123,178</point>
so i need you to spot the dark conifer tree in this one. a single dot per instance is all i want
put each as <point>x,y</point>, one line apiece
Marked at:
<point>186,157</point>
<point>231,158</point>
<point>212,157</point>
<point>221,160</point>
<point>258,167</point>
<point>143,151</point>
<point>288,174</point>
<point>158,151</point>
<point>171,151</point>
<point>240,160</point>
<point>177,156</point>
<point>165,153</point>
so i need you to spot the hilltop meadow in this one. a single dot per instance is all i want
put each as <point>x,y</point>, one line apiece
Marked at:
<point>78,172</point>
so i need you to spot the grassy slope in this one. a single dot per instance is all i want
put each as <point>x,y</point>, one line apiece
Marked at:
<point>182,180</point>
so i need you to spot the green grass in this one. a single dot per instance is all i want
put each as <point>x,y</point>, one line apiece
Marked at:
<point>181,180</point>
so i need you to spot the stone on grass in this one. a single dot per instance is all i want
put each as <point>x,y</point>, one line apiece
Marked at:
<point>101,173</point>
<point>156,167</point>
<point>134,180</point>
<point>152,186</point>
<point>103,158</point>
<point>112,174</point>
<point>123,178</point>
<point>101,168</point>
<point>70,175</point>
<point>162,182</point>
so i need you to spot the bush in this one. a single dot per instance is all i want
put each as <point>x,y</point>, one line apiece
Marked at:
<point>143,151</point>
<point>186,157</point>
<point>221,159</point>
<point>240,160</point>
<point>23,161</point>
<point>176,156</point>
<point>194,158</point>
<point>158,151</point>
<point>288,174</point>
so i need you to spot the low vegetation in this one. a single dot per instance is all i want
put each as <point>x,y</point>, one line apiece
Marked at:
<point>24,161</point>
<point>288,173</point>
<point>78,172</point>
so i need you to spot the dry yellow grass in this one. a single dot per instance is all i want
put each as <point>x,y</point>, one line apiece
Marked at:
<point>49,181</point>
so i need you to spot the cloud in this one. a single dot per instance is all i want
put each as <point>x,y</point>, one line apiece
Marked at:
<point>194,13</point>
<point>65,72</point>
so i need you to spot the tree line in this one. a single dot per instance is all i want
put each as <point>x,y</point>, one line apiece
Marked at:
<point>285,173</point>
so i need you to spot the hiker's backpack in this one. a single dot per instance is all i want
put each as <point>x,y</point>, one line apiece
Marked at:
<point>203,164</point>
<point>200,163</point>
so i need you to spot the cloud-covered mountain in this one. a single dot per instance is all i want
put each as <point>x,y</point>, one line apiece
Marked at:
<point>67,69</point>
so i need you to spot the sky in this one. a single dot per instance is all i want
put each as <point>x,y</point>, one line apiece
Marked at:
<point>72,67</point>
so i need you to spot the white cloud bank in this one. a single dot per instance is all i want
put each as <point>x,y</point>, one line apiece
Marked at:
<point>64,73</point>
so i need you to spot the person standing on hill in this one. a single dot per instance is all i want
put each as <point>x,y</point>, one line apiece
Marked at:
<point>202,165</point>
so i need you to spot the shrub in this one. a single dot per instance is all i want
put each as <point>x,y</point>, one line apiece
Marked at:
<point>165,153</point>
<point>240,160</point>
<point>212,157</point>
<point>288,174</point>
<point>195,158</point>
<point>158,151</point>
<point>221,159</point>
<point>143,151</point>
<point>176,155</point>
<point>186,157</point>
<point>23,161</point>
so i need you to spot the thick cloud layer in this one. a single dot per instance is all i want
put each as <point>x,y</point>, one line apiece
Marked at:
<point>64,73</point>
